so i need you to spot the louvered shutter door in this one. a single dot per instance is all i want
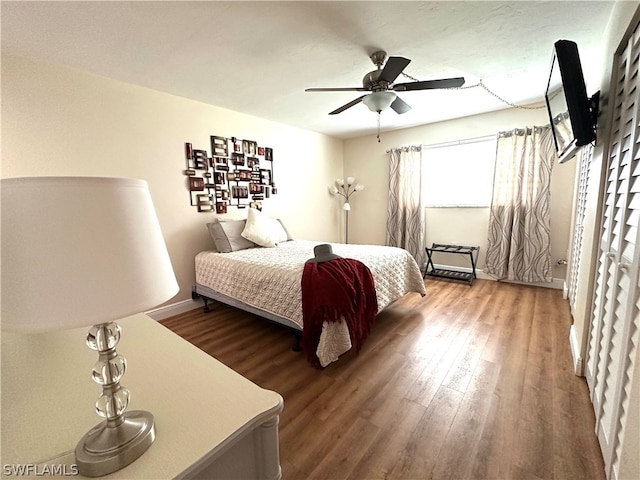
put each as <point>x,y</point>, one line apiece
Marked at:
<point>576,242</point>
<point>615,324</point>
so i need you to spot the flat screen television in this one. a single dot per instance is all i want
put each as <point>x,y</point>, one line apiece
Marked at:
<point>572,113</point>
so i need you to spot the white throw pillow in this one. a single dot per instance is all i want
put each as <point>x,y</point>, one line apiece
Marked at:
<point>265,231</point>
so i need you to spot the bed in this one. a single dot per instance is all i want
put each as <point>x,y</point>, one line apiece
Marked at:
<point>266,282</point>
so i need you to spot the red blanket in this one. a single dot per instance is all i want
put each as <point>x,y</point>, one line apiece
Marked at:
<point>342,287</point>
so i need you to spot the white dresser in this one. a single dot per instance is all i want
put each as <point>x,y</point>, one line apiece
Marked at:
<point>210,421</point>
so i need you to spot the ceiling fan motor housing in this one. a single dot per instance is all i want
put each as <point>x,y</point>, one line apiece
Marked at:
<point>370,81</point>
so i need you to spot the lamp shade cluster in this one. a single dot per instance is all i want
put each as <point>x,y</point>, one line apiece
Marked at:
<point>346,188</point>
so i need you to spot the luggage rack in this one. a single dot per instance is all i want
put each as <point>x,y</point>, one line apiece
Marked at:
<point>468,277</point>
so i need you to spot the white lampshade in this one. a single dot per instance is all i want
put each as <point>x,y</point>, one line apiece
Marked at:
<point>346,206</point>
<point>333,190</point>
<point>80,251</point>
<point>359,187</point>
<point>350,180</point>
<point>379,101</point>
<point>339,182</point>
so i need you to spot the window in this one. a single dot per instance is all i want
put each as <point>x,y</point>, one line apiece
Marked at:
<point>459,174</point>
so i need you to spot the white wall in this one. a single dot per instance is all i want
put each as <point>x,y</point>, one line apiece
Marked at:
<point>58,121</point>
<point>367,159</point>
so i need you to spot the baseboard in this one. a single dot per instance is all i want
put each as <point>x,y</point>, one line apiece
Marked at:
<point>167,311</point>
<point>575,352</point>
<point>177,308</point>
<point>557,283</point>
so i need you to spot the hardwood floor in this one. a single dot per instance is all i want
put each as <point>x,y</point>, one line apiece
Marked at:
<point>465,383</point>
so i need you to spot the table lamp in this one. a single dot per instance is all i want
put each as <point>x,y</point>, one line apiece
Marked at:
<point>85,251</point>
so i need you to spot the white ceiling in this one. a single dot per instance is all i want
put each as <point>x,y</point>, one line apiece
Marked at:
<point>258,57</point>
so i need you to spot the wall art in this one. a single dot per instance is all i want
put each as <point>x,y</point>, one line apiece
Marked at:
<point>238,173</point>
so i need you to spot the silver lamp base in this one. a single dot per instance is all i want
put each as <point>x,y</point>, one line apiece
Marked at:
<point>106,449</point>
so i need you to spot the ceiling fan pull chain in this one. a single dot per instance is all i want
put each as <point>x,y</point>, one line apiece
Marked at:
<point>378,136</point>
<point>409,77</point>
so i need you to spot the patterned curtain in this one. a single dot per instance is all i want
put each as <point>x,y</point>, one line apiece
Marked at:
<point>519,246</point>
<point>405,210</point>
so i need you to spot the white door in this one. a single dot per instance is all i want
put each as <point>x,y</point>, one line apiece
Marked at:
<point>616,318</point>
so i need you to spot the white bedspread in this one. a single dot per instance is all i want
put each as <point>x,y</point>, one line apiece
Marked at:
<point>269,278</point>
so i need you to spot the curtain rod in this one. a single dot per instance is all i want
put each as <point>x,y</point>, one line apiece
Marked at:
<point>445,144</point>
<point>461,142</point>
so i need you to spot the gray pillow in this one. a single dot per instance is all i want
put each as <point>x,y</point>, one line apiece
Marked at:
<point>226,236</point>
<point>289,237</point>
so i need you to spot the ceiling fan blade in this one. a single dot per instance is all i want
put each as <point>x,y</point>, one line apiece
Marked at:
<point>400,106</point>
<point>348,105</point>
<point>429,84</point>
<point>393,68</point>
<point>345,89</point>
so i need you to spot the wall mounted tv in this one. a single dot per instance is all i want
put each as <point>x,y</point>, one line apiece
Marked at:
<point>572,113</point>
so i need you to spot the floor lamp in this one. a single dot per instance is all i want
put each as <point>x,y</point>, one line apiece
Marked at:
<point>90,250</point>
<point>346,189</point>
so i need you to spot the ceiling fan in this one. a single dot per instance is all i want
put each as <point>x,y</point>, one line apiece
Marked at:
<point>380,83</point>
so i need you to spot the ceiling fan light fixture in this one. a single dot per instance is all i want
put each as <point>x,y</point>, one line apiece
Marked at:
<point>379,101</point>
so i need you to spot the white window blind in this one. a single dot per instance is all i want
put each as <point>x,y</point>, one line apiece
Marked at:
<point>459,174</point>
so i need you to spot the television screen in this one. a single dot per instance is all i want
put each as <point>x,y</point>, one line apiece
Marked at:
<point>558,112</point>
<point>571,111</point>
